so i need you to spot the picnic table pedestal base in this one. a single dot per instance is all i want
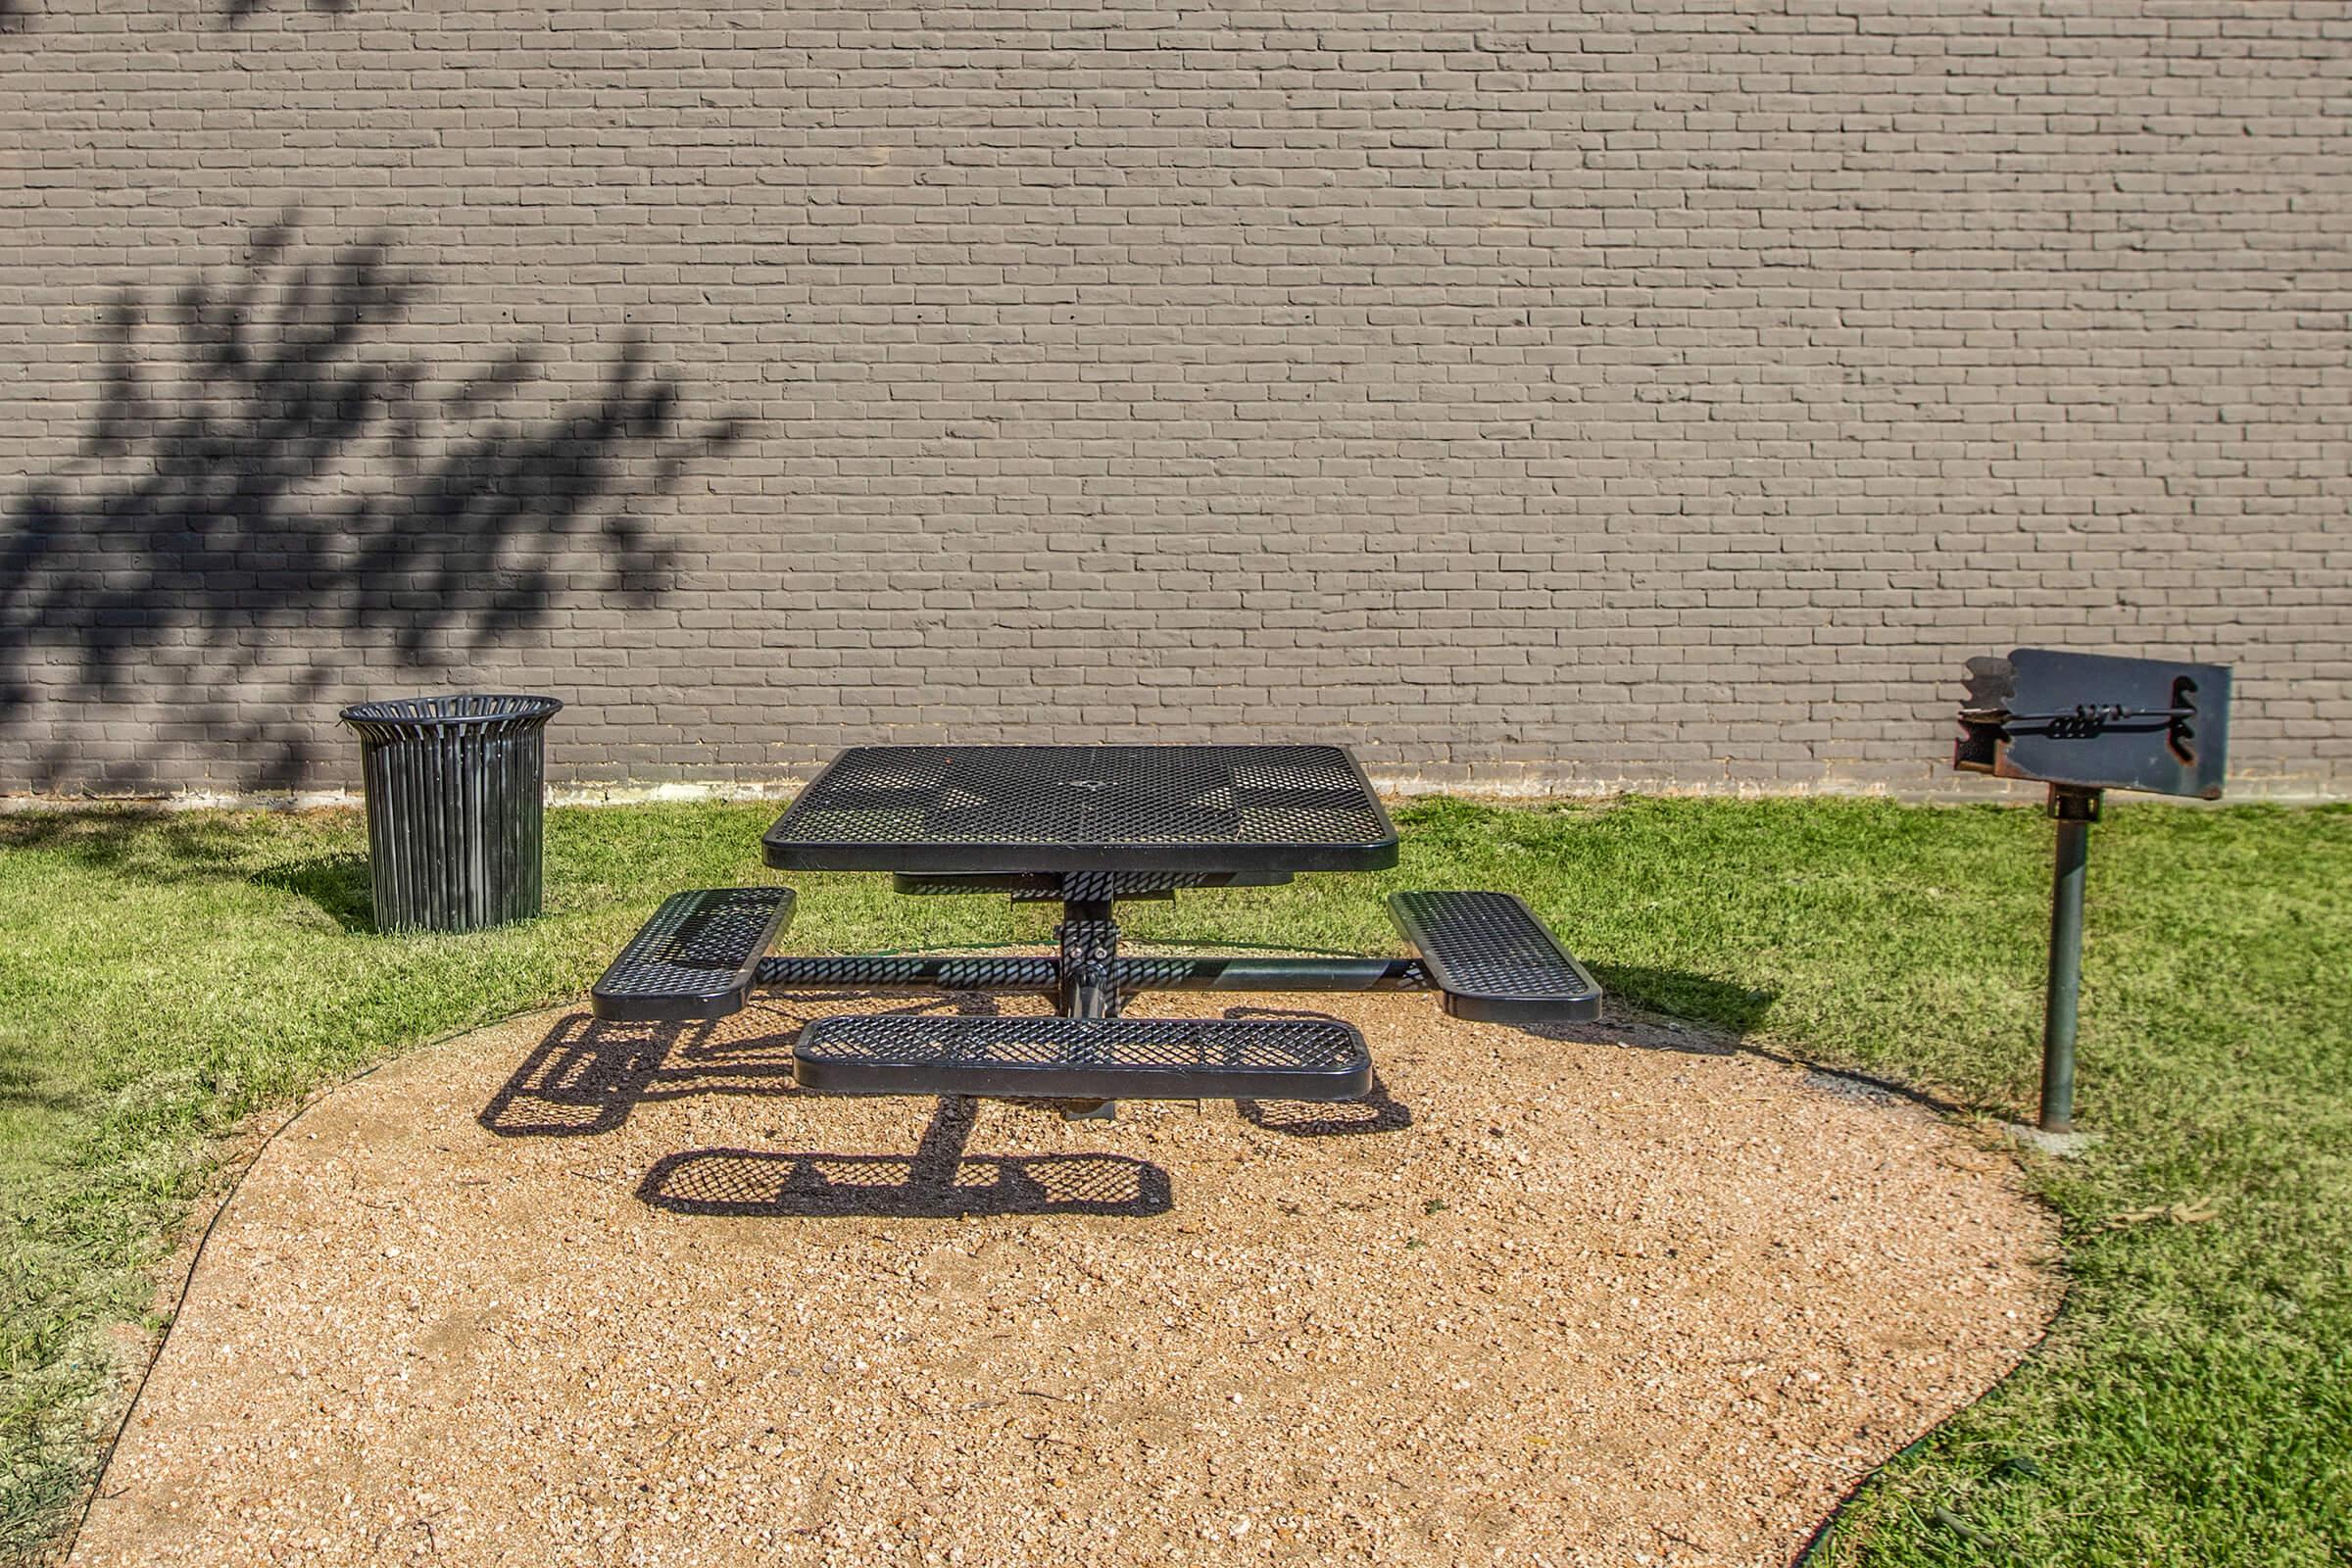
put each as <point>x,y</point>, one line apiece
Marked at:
<point>1090,946</point>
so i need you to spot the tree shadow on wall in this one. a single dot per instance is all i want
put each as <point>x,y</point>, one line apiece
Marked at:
<point>238,10</point>
<point>267,499</point>
<point>16,16</point>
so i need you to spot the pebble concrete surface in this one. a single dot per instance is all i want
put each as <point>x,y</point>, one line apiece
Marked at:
<point>566,1293</point>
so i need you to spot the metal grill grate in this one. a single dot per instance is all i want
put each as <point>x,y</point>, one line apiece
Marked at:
<point>695,958</point>
<point>1494,959</point>
<point>1104,1058</point>
<point>1127,808</point>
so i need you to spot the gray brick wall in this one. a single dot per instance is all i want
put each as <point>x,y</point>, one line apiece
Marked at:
<point>1666,392</point>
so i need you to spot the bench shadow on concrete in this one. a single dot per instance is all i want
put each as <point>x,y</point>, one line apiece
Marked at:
<point>586,1077</point>
<point>937,1181</point>
<point>1377,1112</point>
<point>1674,1010</point>
<point>1671,1010</point>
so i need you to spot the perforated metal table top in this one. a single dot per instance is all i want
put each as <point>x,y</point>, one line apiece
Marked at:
<point>948,809</point>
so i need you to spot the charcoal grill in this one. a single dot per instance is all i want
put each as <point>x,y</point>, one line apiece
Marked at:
<point>2084,724</point>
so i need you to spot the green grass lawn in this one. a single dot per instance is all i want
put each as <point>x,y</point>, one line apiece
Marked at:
<point>166,980</point>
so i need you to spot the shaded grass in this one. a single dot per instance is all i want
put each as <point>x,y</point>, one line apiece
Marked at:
<point>165,977</point>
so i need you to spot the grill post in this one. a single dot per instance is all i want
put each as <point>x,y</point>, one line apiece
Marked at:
<point>2074,810</point>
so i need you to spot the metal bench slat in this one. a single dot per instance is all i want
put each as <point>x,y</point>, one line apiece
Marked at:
<point>1085,1059</point>
<point>1495,961</point>
<point>695,958</point>
<point>1053,887</point>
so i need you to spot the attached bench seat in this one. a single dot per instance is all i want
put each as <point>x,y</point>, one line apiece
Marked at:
<point>1085,1059</point>
<point>1495,961</point>
<point>695,958</point>
<point>701,954</point>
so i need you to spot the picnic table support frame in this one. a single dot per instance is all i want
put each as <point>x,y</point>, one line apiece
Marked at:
<point>1090,943</point>
<point>1130,974</point>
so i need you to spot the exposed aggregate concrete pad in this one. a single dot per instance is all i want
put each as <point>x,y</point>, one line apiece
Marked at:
<point>565,1292</point>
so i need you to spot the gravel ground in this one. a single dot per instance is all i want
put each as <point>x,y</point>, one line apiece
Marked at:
<point>564,1292</point>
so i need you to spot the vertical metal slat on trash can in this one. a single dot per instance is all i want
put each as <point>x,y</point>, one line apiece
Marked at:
<point>455,808</point>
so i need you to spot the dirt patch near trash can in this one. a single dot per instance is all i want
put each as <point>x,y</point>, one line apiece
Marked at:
<point>569,1293</point>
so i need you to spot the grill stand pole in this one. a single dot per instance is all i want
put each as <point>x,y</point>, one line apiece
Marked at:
<point>2074,810</point>
<point>1089,945</point>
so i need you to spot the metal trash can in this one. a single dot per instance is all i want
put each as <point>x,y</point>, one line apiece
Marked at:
<point>455,807</point>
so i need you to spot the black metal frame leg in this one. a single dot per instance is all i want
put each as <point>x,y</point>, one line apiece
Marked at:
<point>1090,946</point>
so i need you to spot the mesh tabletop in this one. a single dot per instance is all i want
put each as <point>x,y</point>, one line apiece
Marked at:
<point>947,808</point>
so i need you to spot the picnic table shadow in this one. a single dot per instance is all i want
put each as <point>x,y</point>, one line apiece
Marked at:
<point>937,1181</point>
<point>586,1077</point>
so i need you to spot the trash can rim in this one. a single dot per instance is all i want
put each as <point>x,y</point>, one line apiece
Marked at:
<point>401,710</point>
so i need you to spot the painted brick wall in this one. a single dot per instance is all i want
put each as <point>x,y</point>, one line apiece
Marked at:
<point>1632,391</point>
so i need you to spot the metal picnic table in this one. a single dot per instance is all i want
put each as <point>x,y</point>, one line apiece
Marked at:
<point>1089,826</point>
